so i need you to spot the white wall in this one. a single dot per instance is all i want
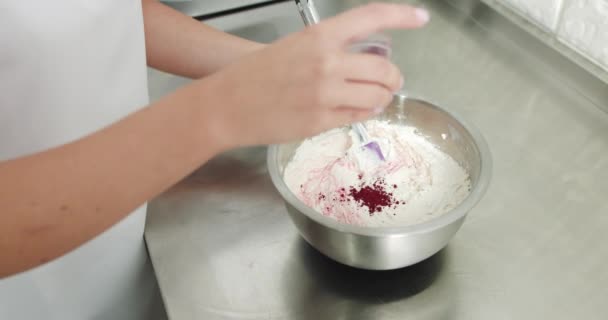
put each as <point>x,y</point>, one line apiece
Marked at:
<point>580,24</point>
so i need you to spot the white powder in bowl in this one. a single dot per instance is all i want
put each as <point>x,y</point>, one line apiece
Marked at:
<point>333,175</point>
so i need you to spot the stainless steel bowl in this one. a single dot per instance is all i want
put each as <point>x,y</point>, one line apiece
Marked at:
<point>384,248</point>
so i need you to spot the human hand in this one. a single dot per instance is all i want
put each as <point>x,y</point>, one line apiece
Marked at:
<point>307,82</point>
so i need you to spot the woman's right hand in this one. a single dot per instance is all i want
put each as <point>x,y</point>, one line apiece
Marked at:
<point>305,83</point>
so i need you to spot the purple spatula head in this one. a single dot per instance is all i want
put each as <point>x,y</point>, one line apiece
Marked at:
<point>366,142</point>
<point>375,148</point>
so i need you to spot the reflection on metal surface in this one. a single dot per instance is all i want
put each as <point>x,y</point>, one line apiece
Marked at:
<point>223,247</point>
<point>308,11</point>
<point>363,294</point>
<point>549,55</point>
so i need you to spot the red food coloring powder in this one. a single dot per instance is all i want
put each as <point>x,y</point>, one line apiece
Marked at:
<point>374,197</point>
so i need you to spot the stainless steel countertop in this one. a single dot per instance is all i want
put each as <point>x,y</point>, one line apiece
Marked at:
<point>535,247</point>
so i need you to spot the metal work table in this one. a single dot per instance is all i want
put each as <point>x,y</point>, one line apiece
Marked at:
<point>535,247</point>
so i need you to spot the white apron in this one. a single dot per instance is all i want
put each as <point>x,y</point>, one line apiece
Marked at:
<point>68,68</point>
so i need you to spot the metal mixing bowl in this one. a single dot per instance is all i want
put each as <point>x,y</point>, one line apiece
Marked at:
<point>384,248</point>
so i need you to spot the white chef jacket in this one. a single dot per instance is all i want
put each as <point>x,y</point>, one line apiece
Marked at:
<point>68,68</point>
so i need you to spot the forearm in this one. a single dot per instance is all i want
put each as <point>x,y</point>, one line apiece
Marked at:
<point>178,44</point>
<point>55,200</point>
